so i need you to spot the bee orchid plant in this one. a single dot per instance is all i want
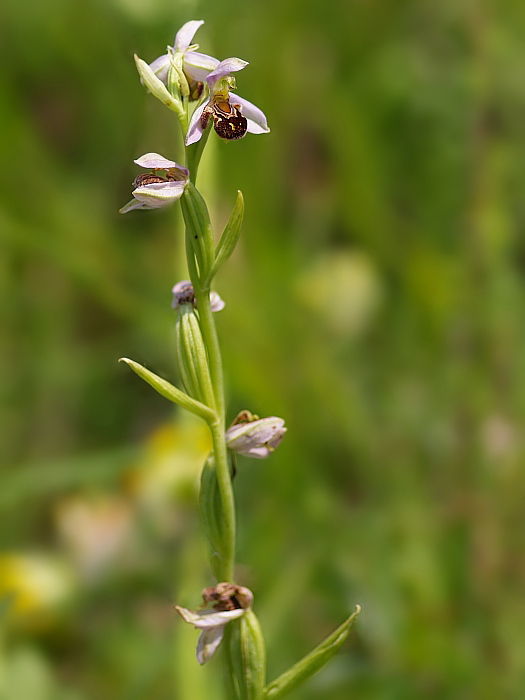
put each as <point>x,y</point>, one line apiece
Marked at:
<point>199,90</point>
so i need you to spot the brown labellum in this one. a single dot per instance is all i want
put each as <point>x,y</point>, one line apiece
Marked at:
<point>150,178</point>
<point>228,122</point>
<point>230,128</point>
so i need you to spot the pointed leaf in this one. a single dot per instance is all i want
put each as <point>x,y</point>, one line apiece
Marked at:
<point>229,237</point>
<point>171,392</point>
<point>312,662</point>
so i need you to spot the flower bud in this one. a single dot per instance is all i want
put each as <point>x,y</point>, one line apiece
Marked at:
<point>193,359</point>
<point>248,656</point>
<point>255,437</point>
<point>157,87</point>
<point>183,293</point>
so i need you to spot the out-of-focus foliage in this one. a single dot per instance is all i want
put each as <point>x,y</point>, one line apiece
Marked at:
<point>376,303</point>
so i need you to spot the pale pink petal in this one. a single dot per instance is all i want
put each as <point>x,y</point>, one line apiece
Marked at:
<point>229,65</point>
<point>216,303</point>
<point>208,642</point>
<point>155,161</point>
<point>161,66</point>
<point>132,204</point>
<point>204,619</point>
<point>256,118</point>
<point>159,194</point>
<point>195,129</point>
<point>198,66</point>
<point>186,33</point>
<point>256,439</point>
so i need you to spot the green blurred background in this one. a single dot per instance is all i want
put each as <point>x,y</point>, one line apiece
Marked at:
<point>376,303</point>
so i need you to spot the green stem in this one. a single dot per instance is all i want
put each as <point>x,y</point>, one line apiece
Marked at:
<point>227,562</point>
<point>211,342</point>
<point>194,154</point>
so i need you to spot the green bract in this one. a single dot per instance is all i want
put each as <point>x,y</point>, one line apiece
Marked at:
<point>171,392</point>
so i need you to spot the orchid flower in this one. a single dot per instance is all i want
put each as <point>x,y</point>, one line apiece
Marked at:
<point>183,294</point>
<point>195,65</point>
<point>255,437</point>
<point>229,603</point>
<point>231,119</point>
<point>152,191</point>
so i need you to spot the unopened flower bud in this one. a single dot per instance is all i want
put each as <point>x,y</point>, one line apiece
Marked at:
<point>183,293</point>
<point>256,437</point>
<point>248,655</point>
<point>192,355</point>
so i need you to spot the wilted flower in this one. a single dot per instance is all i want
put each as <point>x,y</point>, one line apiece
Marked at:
<point>229,603</point>
<point>256,437</point>
<point>196,65</point>
<point>183,294</point>
<point>231,120</point>
<point>152,191</point>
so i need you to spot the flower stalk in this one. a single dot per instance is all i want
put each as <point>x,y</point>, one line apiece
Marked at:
<point>199,89</point>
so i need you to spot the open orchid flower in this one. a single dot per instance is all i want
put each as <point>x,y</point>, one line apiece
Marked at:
<point>183,294</point>
<point>232,117</point>
<point>229,603</point>
<point>255,437</point>
<point>152,191</point>
<point>196,65</point>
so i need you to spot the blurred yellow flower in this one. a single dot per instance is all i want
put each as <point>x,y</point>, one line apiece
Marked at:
<point>172,463</point>
<point>35,583</point>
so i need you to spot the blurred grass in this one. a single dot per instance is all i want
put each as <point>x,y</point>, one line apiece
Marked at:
<point>397,147</point>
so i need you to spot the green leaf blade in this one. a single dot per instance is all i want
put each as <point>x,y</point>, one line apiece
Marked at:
<point>312,662</point>
<point>170,392</point>
<point>229,237</point>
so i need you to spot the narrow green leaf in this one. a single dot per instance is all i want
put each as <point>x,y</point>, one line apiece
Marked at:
<point>157,87</point>
<point>171,392</point>
<point>312,662</point>
<point>229,237</point>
